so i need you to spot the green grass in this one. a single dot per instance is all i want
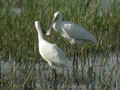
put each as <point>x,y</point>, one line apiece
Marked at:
<point>18,37</point>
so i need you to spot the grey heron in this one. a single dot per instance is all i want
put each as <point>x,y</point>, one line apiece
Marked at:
<point>71,31</point>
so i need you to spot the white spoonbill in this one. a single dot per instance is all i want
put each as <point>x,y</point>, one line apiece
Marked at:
<point>51,52</point>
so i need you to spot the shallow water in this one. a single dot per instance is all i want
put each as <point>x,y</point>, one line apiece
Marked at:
<point>95,72</point>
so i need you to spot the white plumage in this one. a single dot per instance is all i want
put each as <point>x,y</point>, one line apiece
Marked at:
<point>71,31</point>
<point>51,52</point>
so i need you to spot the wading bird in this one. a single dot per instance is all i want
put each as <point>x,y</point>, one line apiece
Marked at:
<point>51,52</point>
<point>71,31</point>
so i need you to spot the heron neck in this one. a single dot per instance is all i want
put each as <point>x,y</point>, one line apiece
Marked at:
<point>59,19</point>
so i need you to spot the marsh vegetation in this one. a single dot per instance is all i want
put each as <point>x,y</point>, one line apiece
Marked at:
<point>20,63</point>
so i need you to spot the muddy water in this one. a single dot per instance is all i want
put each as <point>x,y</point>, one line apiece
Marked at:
<point>94,72</point>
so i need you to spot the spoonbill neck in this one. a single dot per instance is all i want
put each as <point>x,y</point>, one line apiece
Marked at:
<point>39,30</point>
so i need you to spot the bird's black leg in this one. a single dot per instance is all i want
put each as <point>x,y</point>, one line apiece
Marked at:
<point>75,60</point>
<point>75,68</point>
<point>54,73</point>
<point>53,80</point>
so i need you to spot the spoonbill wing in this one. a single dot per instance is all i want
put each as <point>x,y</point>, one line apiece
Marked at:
<point>54,54</point>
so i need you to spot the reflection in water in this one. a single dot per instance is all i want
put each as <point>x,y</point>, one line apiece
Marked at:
<point>94,72</point>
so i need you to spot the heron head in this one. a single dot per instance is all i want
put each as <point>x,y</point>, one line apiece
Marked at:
<point>57,16</point>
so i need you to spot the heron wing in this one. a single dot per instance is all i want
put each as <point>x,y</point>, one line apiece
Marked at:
<point>77,32</point>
